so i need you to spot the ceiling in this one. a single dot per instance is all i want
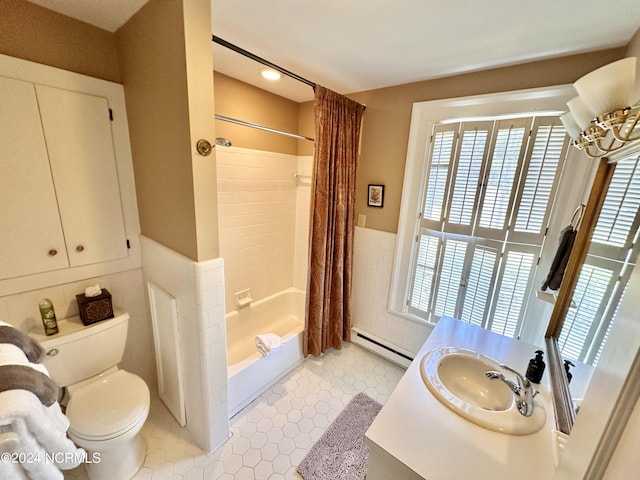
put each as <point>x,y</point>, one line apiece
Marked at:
<point>357,45</point>
<point>109,15</point>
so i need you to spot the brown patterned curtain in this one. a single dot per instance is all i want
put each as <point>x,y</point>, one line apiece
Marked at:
<point>337,134</point>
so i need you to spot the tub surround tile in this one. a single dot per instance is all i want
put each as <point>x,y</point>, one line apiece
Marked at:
<point>259,211</point>
<point>303,202</point>
<point>211,297</point>
<point>199,291</point>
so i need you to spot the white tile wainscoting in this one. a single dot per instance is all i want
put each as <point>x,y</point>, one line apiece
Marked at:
<point>198,288</point>
<point>374,252</point>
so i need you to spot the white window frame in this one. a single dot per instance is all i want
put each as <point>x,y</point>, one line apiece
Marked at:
<point>548,100</point>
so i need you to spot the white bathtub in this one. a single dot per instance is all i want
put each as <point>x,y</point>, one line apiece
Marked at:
<point>249,373</point>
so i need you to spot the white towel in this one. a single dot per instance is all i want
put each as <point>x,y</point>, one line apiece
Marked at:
<point>266,342</point>
<point>12,355</point>
<point>42,433</point>
<point>42,430</point>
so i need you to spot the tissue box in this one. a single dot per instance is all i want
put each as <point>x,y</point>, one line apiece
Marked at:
<point>95,309</point>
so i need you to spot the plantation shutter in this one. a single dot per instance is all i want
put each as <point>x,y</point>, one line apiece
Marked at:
<point>502,172</point>
<point>514,279</point>
<point>450,278</point>
<point>604,335</point>
<point>467,175</point>
<point>439,171</point>
<point>597,279</point>
<point>479,283</point>
<point>462,284</point>
<point>542,166</point>
<point>422,286</point>
<point>489,184</point>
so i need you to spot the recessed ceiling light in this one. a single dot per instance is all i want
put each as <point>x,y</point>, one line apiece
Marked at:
<point>270,74</point>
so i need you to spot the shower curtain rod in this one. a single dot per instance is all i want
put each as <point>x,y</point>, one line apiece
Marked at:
<point>261,60</point>
<point>262,127</point>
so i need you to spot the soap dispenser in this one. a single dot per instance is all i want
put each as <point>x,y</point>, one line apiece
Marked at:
<point>567,365</point>
<point>536,368</point>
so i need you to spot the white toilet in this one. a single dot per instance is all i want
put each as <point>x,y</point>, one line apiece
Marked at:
<point>107,406</point>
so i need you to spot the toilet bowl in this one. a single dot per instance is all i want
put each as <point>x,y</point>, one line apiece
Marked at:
<point>107,406</point>
<point>106,414</point>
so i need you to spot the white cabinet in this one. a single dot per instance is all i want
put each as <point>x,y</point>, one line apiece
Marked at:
<point>32,239</point>
<point>60,197</point>
<point>78,135</point>
<point>67,195</point>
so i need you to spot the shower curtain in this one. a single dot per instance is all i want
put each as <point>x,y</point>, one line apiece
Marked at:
<point>337,133</point>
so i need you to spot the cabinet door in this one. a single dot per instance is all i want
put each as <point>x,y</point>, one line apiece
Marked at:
<point>77,129</point>
<point>32,239</point>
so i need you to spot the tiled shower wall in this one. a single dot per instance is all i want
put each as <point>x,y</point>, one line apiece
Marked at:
<point>303,212</point>
<point>128,293</point>
<point>264,228</point>
<point>259,203</point>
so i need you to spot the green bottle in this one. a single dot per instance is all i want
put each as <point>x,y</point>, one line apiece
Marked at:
<point>48,317</point>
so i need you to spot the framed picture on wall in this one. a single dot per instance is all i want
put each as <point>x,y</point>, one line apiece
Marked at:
<point>376,196</point>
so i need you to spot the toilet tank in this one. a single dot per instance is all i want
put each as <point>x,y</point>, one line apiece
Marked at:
<point>78,352</point>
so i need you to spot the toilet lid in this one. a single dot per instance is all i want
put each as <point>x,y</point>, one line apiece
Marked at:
<point>108,407</point>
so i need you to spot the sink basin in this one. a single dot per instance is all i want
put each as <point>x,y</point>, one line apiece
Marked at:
<point>457,378</point>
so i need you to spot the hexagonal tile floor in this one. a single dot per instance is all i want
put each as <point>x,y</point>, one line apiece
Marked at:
<point>271,436</point>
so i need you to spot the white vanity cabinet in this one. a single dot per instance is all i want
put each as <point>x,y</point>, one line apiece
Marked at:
<point>416,436</point>
<point>60,197</point>
<point>67,195</point>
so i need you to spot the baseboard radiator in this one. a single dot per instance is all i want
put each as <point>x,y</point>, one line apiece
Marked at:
<point>380,347</point>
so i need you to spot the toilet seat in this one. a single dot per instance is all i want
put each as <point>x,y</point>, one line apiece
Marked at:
<point>108,407</point>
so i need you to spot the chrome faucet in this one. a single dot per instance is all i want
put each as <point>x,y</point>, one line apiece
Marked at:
<point>523,390</point>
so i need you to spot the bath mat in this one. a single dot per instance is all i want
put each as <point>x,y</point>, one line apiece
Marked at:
<point>341,453</point>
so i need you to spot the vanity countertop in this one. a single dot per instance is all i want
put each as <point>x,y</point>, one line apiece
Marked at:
<point>428,440</point>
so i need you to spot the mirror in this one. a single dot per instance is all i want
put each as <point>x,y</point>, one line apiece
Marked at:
<point>606,268</point>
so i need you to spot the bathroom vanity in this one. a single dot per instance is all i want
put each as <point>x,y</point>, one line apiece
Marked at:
<point>417,436</point>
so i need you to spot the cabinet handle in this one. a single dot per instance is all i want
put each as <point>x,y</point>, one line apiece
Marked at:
<point>79,248</point>
<point>53,252</point>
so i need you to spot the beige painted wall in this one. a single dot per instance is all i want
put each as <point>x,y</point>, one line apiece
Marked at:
<point>39,35</point>
<point>154,60</point>
<point>242,101</point>
<point>306,127</point>
<point>199,63</point>
<point>388,115</point>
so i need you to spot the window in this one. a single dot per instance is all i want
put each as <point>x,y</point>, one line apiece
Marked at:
<point>604,275</point>
<point>488,193</point>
